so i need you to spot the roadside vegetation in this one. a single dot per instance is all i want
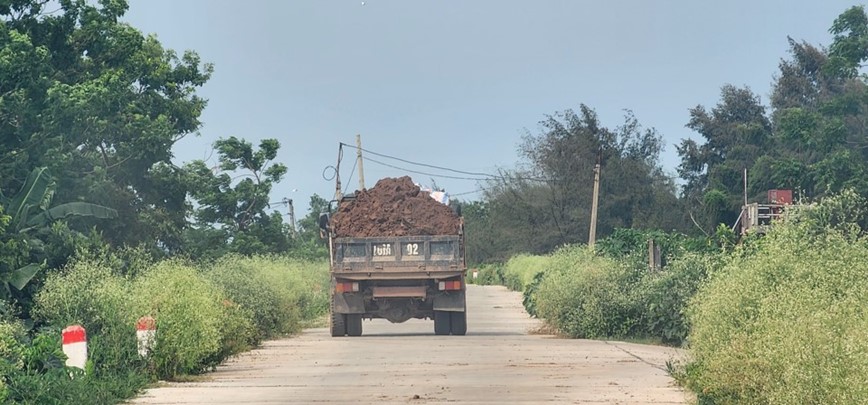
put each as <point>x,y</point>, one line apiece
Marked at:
<point>204,313</point>
<point>776,319</point>
<point>773,319</point>
<point>98,225</point>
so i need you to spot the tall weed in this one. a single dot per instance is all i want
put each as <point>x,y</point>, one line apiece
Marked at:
<point>787,323</point>
<point>521,269</point>
<point>189,314</point>
<point>487,274</point>
<point>277,291</point>
<point>663,296</point>
<point>90,294</point>
<point>587,296</point>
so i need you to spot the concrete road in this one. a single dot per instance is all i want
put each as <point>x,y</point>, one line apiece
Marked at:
<point>498,362</point>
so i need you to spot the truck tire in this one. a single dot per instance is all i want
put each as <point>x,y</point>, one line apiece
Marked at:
<point>459,323</point>
<point>338,326</point>
<point>442,323</point>
<point>354,324</point>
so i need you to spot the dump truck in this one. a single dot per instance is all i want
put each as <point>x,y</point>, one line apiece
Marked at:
<point>396,254</point>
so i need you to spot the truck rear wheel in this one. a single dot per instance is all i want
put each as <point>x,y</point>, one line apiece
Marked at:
<point>442,323</point>
<point>338,325</point>
<point>459,323</point>
<point>354,324</point>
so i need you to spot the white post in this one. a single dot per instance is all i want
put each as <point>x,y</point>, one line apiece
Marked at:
<point>146,333</point>
<point>75,346</point>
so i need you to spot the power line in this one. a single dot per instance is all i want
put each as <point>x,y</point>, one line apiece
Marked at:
<point>466,193</point>
<point>424,173</point>
<point>353,170</point>
<point>422,164</point>
<point>487,176</point>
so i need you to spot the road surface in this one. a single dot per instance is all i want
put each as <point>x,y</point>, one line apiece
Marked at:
<point>498,362</point>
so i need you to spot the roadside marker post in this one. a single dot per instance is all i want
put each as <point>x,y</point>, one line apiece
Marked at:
<point>146,333</point>
<point>74,339</point>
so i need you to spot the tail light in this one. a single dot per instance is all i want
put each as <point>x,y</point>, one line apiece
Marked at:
<point>450,285</point>
<point>346,287</point>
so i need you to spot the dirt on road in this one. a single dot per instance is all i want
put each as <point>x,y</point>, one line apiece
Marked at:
<point>498,362</point>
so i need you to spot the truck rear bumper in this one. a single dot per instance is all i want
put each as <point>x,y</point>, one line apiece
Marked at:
<point>354,303</point>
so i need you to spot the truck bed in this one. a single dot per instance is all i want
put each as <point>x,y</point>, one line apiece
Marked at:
<point>397,258</point>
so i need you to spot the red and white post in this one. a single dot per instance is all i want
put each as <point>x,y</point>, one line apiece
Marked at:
<point>75,346</point>
<point>146,334</point>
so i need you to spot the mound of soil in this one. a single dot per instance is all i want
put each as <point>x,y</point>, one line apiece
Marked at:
<point>393,207</point>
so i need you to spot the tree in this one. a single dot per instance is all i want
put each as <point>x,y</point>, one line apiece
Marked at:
<point>850,46</point>
<point>232,212</point>
<point>736,134</point>
<point>547,203</point>
<point>820,111</point>
<point>100,106</point>
<point>815,140</point>
<point>308,242</point>
<point>28,241</point>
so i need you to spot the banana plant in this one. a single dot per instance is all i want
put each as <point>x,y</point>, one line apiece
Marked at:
<point>29,210</point>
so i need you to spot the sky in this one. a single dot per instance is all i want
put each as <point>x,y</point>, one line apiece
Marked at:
<point>458,84</point>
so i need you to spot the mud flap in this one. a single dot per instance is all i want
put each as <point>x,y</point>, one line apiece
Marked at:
<point>453,302</point>
<point>349,303</point>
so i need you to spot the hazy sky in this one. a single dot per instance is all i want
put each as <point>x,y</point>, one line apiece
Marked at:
<point>458,83</point>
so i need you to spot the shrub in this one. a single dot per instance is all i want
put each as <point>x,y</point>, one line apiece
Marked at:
<point>787,323</point>
<point>238,332</point>
<point>305,282</point>
<point>189,314</point>
<point>521,269</point>
<point>663,296</point>
<point>587,296</point>
<point>245,283</point>
<point>486,274</point>
<point>88,293</point>
<point>11,355</point>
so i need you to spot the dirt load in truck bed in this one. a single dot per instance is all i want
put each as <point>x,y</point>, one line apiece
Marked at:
<point>393,207</point>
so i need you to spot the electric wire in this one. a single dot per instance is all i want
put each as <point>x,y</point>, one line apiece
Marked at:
<point>424,173</point>
<point>479,176</point>
<point>334,173</point>
<point>466,193</point>
<point>349,179</point>
<point>421,164</point>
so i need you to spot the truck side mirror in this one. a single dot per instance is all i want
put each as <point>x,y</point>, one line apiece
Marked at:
<point>324,221</point>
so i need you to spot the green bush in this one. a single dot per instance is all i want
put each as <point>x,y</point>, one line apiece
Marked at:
<point>11,355</point>
<point>305,282</point>
<point>277,291</point>
<point>486,274</point>
<point>521,269</point>
<point>90,294</point>
<point>787,323</point>
<point>663,296</point>
<point>245,284</point>
<point>588,296</point>
<point>189,314</point>
<point>203,316</point>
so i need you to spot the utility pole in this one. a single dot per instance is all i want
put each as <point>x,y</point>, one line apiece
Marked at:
<point>291,214</point>
<point>359,162</point>
<point>338,194</point>
<point>592,237</point>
